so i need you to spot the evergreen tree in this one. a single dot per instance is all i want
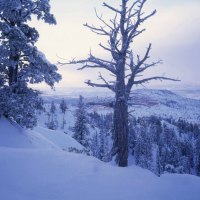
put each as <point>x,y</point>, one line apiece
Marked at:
<point>157,167</point>
<point>103,123</point>
<point>197,156</point>
<point>187,157</point>
<point>63,108</point>
<point>143,150</point>
<point>170,150</point>
<point>21,63</point>
<point>155,128</point>
<point>104,153</point>
<point>80,128</point>
<point>52,117</point>
<point>94,147</point>
<point>132,135</point>
<point>53,108</point>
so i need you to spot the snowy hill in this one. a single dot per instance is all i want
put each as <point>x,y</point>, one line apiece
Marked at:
<point>13,136</point>
<point>165,103</point>
<point>145,102</point>
<point>33,167</point>
<point>161,103</point>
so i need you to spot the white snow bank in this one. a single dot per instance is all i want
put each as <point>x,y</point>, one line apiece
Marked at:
<point>59,138</point>
<point>55,175</point>
<point>28,173</point>
<point>13,136</point>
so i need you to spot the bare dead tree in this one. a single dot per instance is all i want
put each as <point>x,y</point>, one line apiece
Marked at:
<point>126,66</point>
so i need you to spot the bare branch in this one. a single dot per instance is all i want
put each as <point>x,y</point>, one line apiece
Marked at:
<point>111,8</point>
<point>148,16</point>
<point>111,50</point>
<point>93,62</point>
<point>146,56</point>
<point>100,31</point>
<point>111,87</point>
<point>146,66</point>
<point>132,6</point>
<point>103,21</point>
<point>160,78</point>
<point>132,29</point>
<point>104,80</point>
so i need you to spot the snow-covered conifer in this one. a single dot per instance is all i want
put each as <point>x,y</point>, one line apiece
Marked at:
<point>80,128</point>
<point>94,147</point>
<point>21,63</point>
<point>52,117</point>
<point>143,150</point>
<point>63,108</point>
<point>197,156</point>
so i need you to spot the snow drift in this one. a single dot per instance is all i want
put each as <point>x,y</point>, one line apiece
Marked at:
<point>32,167</point>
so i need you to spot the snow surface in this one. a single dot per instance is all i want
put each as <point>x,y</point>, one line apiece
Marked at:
<point>165,104</point>
<point>12,135</point>
<point>160,103</point>
<point>59,138</point>
<point>33,167</point>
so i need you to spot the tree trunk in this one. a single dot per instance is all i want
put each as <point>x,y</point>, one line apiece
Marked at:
<point>13,72</point>
<point>121,130</point>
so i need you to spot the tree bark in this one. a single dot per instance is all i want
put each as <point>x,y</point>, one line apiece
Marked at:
<point>121,130</point>
<point>13,72</point>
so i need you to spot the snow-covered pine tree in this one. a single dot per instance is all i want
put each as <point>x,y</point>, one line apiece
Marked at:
<point>143,150</point>
<point>80,128</point>
<point>132,135</point>
<point>21,63</point>
<point>52,117</point>
<point>63,108</point>
<point>187,154</point>
<point>102,140</point>
<point>94,147</point>
<point>157,169</point>
<point>102,145</point>
<point>197,156</point>
<point>170,150</point>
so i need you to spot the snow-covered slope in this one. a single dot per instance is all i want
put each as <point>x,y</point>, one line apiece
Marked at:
<point>13,136</point>
<point>145,102</point>
<point>54,175</point>
<point>59,138</point>
<point>162,103</point>
<point>48,173</point>
<point>165,103</point>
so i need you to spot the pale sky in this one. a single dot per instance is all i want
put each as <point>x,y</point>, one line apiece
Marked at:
<point>174,33</point>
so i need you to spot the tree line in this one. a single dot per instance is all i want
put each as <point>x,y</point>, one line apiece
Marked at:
<point>161,145</point>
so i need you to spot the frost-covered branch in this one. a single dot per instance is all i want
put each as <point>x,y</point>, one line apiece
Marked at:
<point>160,78</point>
<point>111,87</point>
<point>94,62</point>
<point>111,8</point>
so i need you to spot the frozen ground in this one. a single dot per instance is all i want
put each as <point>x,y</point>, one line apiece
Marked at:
<point>33,167</point>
